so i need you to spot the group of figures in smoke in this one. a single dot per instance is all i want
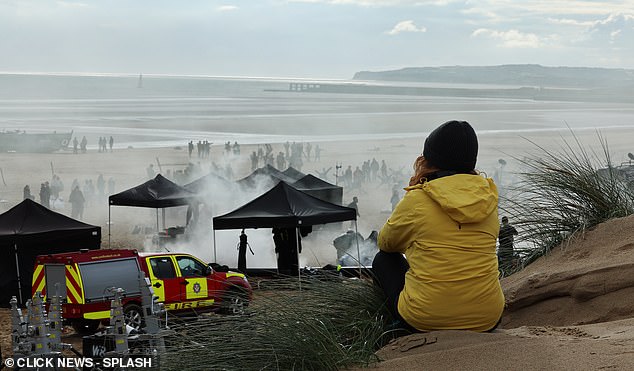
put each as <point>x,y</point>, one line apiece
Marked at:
<point>80,196</point>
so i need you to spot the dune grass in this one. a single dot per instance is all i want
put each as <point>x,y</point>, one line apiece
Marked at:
<point>329,324</point>
<point>562,193</point>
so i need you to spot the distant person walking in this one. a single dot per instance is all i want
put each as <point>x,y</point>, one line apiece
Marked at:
<point>84,144</point>
<point>75,145</point>
<point>77,202</point>
<point>505,237</point>
<point>395,198</point>
<point>111,143</point>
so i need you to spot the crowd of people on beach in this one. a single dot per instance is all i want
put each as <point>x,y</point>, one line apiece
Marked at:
<point>81,196</point>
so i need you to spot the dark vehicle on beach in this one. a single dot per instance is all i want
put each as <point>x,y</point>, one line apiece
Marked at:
<point>182,282</point>
<point>21,141</point>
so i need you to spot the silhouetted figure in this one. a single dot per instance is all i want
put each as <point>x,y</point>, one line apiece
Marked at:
<point>75,145</point>
<point>354,205</point>
<point>111,143</point>
<point>505,250</point>
<point>45,195</point>
<point>77,202</point>
<point>83,144</point>
<point>395,198</point>
<point>27,193</point>
<point>242,252</point>
<point>190,148</point>
<point>286,248</point>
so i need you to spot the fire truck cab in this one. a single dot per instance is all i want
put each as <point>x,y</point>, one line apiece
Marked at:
<point>182,282</point>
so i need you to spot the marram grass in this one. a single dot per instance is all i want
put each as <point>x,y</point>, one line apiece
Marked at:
<point>562,193</point>
<point>326,325</point>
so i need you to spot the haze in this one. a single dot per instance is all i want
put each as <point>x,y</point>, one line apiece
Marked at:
<point>308,38</point>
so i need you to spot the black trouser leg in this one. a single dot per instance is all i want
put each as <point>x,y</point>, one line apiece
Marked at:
<point>389,273</point>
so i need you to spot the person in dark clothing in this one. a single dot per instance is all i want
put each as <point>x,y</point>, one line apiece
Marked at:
<point>242,252</point>
<point>27,193</point>
<point>45,195</point>
<point>395,198</point>
<point>505,237</point>
<point>286,247</point>
<point>354,205</point>
<point>77,202</point>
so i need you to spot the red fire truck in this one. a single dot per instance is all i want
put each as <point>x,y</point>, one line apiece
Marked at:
<point>181,281</point>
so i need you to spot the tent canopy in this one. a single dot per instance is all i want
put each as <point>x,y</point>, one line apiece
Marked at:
<point>291,172</point>
<point>284,206</point>
<point>30,229</point>
<point>267,175</point>
<point>320,188</point>
<point>157,193</point>
<point>312,182</point>
<point>207,183</point>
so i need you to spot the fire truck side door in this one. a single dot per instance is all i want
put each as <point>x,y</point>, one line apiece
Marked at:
<point>194,284</point>
<point>164,279</point>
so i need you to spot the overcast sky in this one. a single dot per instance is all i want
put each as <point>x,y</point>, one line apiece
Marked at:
<point>308,38</point>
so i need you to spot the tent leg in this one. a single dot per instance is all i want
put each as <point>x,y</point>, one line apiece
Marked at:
<point>356,229</point>
<point>163,215</point>
<point>213,233</point>
<point>17,270</point>
<point>299,270</point>
<point>158,236</point>
<point>109,226</point>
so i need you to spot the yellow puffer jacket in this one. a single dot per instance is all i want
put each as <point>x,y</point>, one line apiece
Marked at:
<point>447,228</point>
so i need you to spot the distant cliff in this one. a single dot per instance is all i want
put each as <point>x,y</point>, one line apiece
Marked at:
<point>512,74</point>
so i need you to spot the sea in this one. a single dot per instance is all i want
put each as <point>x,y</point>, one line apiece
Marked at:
<point>143,111</point>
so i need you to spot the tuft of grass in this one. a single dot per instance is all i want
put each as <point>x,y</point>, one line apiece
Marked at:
<point>328,324</point>
<point>564,192</point>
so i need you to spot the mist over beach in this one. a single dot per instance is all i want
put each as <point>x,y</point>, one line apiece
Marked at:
<point>346,91</point>
<point>152,118</point>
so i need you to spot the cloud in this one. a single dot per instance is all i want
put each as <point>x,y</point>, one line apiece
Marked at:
<point>571,22</point>
<point>616,28</point>
<point>509,39</point>
<point>406,26</point>
<point>226,8</point>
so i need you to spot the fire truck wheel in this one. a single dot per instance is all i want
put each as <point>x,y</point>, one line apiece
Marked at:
<point>85,326</point>
<point>234,302</point>
<point>133,316</point>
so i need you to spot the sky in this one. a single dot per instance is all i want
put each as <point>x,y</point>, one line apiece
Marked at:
<point>308,38</point>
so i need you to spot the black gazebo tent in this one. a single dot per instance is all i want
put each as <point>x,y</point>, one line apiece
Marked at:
<point>283,206</point>
<point>30,229</point>
<point>320,188</point>
<point>293,173</point>
<point>267,175</point>
<point>157,193</point>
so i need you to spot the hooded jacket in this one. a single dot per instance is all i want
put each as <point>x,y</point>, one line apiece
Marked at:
<point>447,228</point>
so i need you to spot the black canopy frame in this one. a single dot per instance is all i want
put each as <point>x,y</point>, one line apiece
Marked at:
<point>284,207</point>
<point>30,229</point>
<point>157,193</point>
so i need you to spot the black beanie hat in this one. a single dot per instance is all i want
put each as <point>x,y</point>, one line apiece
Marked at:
<point>452,146</point>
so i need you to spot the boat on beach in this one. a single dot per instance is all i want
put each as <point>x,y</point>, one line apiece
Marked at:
<point>21,141</point>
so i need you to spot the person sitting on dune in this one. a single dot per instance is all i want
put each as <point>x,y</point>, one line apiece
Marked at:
<point>447,227</point>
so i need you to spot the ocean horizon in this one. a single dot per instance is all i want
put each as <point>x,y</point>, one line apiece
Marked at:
<point>170,110</point>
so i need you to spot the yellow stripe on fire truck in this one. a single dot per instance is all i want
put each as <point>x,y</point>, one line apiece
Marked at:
<point>39,281</point>
<point>74,292</point>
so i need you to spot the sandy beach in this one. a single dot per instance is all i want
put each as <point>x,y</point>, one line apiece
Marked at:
<point>539,331</point>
